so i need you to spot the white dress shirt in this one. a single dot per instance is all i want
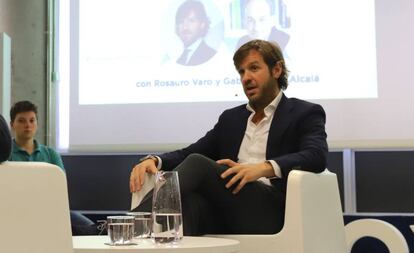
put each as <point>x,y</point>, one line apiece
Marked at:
<point>191,49</point>
<point>253,146</point>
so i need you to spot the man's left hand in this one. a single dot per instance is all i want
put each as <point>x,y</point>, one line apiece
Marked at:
<point>245,173</point>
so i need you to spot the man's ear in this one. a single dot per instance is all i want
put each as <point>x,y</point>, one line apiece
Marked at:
<point>277,70</point>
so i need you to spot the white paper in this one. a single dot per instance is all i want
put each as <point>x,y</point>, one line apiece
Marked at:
<point>149,183</point>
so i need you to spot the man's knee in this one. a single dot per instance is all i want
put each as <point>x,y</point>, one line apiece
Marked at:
<point>196,158</point>
<point>198,162</point>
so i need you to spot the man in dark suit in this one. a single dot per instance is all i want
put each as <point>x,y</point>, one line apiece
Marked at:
<point>233,180</point>
<point>192,25</point>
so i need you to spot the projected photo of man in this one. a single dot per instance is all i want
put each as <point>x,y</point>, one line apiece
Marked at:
<point>259,20</point>
<point>191,26</point>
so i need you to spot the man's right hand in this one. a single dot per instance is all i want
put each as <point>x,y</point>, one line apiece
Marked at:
<point>136,180</point>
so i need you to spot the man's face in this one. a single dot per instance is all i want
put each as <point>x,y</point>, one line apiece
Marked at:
<point>190,28</point>
<point>25,125</point>
<point>259,83</point>
<point>258,20</point>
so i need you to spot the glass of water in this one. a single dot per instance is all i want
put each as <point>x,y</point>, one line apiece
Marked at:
<point>167,224</point>
<point>142,224</point>
<point>120,229</point>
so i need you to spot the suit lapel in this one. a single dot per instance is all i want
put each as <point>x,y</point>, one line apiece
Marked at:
<point>280,123</point>
<point>235,134</point>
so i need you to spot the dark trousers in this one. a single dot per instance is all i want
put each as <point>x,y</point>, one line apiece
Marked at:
<point>208,207</point>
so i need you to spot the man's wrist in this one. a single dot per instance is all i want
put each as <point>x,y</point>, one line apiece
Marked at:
<point>276,169</point>
<point>149,157</point>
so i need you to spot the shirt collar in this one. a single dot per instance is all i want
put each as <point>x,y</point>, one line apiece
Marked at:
<point>17,147</point>
<point>270,108</point>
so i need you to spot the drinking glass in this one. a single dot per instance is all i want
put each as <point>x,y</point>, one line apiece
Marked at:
<point>120,229</point>
<point>142,224</point>
<point>167,225</point>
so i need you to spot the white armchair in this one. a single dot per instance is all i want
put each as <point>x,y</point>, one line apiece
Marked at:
<point>34,209</point>
<point>313,219</point>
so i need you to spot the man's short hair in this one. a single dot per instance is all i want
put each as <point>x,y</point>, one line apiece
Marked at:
<point>271,53</point>
<point>22,106</point>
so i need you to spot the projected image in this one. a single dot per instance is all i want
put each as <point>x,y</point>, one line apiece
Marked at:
<point>192,24</point>
<point>262,19</point>
<point>191,32</point>
<point>180,51</point>
<point>126,68</point>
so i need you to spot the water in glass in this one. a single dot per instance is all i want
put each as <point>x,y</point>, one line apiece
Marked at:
<point>166,208</point>
<point>120,229</point>
<point>142,224</point>
<point>120,233</point>
<point>167,227</point>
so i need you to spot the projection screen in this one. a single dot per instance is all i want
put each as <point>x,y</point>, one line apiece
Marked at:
<point>122,88</point>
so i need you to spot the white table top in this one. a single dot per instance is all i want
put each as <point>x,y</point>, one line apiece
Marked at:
<point>96,244</point>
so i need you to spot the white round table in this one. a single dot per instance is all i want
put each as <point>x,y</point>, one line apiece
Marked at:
<point>96,244</point>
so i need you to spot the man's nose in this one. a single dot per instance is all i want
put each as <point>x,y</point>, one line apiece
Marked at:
<point>185,24</point>
<point>246,78</point>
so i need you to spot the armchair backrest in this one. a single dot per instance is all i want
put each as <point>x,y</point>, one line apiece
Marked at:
<point>34,209</point>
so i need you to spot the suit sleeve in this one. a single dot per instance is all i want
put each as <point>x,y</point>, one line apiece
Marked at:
<point>312,147</point>
<point>207,146</point>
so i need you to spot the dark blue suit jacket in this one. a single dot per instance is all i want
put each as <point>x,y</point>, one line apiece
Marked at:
<point>297,138</point>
